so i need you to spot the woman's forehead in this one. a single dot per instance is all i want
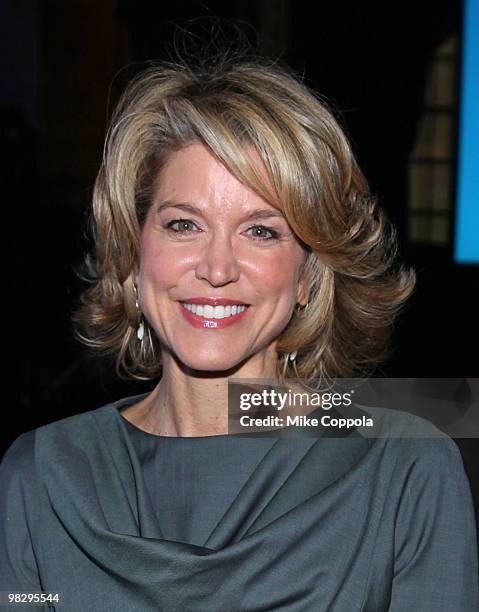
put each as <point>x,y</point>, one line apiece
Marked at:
<point>195,173</point>
<point>198,155</point>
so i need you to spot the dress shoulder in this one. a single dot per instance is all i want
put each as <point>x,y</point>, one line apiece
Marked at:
<point>435,544</point>
<point>20,459</point>
<point>19,455</point>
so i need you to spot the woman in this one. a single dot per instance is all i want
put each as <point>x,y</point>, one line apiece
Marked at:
<point>235,238</point>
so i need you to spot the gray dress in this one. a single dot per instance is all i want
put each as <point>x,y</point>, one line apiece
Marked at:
<point>117,519</point>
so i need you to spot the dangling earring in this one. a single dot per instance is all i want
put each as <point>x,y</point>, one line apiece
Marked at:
<point>140,332</point>
<point>291,357</point>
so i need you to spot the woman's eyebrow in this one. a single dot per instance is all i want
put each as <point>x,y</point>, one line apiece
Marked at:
<point>259,213</point>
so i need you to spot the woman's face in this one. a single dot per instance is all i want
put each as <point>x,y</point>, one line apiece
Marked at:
<point>210,246</point>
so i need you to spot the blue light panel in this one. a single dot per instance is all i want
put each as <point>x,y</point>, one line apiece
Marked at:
<point>466,240</point>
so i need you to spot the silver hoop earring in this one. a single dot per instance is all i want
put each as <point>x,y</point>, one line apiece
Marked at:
<point>292,356</point>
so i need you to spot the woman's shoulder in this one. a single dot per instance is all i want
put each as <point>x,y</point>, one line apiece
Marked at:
<point>417,435</point>
<point>405,450</point>
<point>17,469</point>
<point>420,459</point>
<point>437,458</point>
<point>75,429</point>
<point>19,455</point>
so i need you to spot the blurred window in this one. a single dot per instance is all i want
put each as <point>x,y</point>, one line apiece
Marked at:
<point>432,161</point>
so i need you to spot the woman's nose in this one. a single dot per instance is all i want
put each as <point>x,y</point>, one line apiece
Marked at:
<point>217,262</point>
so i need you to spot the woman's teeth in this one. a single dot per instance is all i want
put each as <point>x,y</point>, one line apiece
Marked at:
<point>214,312</point>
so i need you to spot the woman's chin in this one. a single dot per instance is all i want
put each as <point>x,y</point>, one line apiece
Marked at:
<point>220,364</point>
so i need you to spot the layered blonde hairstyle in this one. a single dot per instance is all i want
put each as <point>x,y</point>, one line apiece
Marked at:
<point>356,288</point>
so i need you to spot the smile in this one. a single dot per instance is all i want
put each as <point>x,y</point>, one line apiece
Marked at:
<point>213,317</point>
<point>214,312</point>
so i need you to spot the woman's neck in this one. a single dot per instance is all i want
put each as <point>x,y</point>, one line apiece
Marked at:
<point>187,403</point>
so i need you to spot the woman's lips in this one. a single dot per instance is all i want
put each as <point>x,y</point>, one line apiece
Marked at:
<point>205,323</point>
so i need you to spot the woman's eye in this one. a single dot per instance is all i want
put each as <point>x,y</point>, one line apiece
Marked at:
<point>260,232</point>
<point>184,226</point>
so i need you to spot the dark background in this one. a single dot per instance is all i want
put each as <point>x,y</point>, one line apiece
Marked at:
<point>63,66</point>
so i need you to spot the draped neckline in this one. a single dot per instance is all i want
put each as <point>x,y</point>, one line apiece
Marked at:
<point>271,525</point>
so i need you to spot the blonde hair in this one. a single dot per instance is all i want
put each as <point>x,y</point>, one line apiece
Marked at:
<point>355,286</point>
